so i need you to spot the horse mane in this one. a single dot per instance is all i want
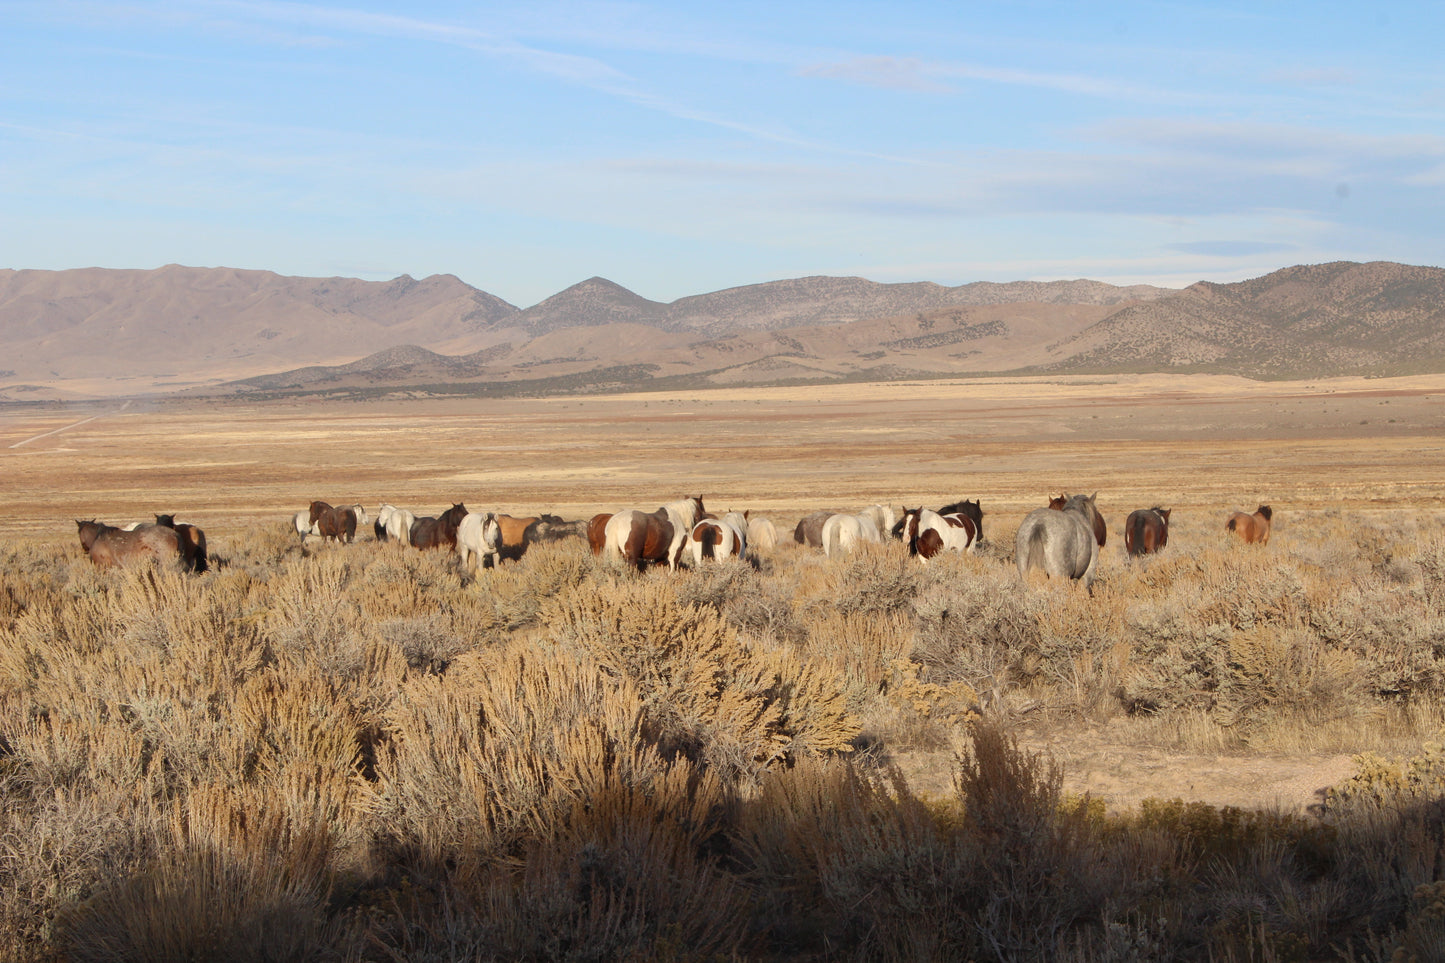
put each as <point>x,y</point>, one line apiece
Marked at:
<point>1265,512</point>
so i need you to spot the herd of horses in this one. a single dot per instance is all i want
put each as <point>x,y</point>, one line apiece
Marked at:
<point>1062,539</point>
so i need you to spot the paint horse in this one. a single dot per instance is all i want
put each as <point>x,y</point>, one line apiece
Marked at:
<point>1254,529</point>
<point>1101,530</point>
<point>109,546</point>
<point>927,533</point>
<point>971,510</point>
<point>479,541</point>
<point>192,543</point>
<point>1061,541</point>
<point>638,537</point>
<point>303,524</point>
<point>1146,530</point>
<point>719,538</point>
<point>439,532</point>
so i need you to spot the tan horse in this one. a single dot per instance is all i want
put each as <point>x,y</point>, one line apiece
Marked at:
<point>1252,528</point>
<point>516,535</point>
<point>109,546</point>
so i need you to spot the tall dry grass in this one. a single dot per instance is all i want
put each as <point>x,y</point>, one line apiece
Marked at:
<point>362,752</point>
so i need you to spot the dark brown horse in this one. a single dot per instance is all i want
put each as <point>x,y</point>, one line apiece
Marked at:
<point>1146,530</point>
<point>1101,530</point>
<point>109,546</point>
<point>809,531</point>
<point>1252,528</point>
<point>192,543</point>
<point>428,532</point>
<point>338,524</point>
<point>597,532</point>
<point>319,508</point>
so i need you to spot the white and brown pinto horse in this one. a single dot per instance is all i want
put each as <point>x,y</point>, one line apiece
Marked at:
<point>637,537</point>
<point>719,538</point>
<point>841,533</point>
<point>927,533</point>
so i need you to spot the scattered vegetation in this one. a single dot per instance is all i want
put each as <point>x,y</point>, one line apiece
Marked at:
<point>360,753</point>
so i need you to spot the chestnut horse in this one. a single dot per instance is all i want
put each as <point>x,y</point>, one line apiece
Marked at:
<point>1146,530</point>
<point>1101,531</point>
<point>597,532</point>
<point>109,546</point>
<point>428,532</point>
<point>1252,528</point>
<point>192,543</point>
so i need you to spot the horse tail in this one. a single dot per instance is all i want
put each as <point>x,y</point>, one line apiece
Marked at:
<point>1231,525</point>
<point>1030,550</point>
<point>831,537</point>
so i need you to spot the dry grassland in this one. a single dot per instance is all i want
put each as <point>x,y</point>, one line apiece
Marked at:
<point>359,752</point>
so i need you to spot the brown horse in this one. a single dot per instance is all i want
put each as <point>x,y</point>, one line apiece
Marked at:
<point>192,543</point>
<point>809,531</point>
<point>1146,531</point>
<point>338,524</point>
<point>597,532</point>
<point>109,546</point>
<point>319,508</point>
<point>428,532</point>
<point>1252,528</point>
<point>517,534</point>
<point>1101,530</point>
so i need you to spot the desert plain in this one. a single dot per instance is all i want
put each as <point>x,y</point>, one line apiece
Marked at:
<point>1202,445</point>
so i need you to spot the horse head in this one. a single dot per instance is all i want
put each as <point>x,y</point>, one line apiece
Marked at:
<point>166,521</point>
<point>1057,502</point>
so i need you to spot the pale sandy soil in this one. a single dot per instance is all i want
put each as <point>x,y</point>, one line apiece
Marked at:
<point>1201,445</point>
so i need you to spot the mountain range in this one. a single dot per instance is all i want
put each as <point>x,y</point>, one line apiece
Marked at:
<point>227,331</point>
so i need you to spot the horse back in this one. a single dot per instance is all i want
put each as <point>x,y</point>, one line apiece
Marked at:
<point>114,547</point>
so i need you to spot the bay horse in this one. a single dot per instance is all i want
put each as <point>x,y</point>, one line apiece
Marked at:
<point>842,532</point>
<point>927,533</point>
<point>318,508</point>
<point>1060,541</point>
<point>1101,530</point>
<point>1252,528</point>
<point>719,538</point>
<point>109,546</point>
<point>192,543</point>
<point>1146,530</point>
<point>338,524</point>
<point>809,530</point>
<point>597,532</point>
<point>479,538</point>
<point>441,532</point>
<point>638,537</point>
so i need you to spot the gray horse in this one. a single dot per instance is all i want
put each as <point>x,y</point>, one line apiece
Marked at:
<point>1062,543</point>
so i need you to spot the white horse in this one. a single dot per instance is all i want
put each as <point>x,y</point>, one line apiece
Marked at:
<point>393,523</point>
<point>762,535</point>
<point>719,538</point>
<point>362,519</point>
<point>882,517</point>
<point>479,537</point>
<point>842,532</point>
<point>303,524</point>
<point>638,537</point>
<point>927,533</point>
<point>1062,543</point>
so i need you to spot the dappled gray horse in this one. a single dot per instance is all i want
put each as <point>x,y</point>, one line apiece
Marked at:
<point>1062,543</point>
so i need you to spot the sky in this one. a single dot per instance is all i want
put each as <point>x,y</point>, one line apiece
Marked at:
<point>681,148</point>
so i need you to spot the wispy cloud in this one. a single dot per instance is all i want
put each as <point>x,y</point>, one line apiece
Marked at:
<point>1231,249</point>
<point>890,73</point>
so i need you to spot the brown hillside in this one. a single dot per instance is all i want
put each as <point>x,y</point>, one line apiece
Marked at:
<point>1304,321</point>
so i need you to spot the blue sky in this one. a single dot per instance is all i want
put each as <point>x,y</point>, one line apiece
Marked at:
<point>682,148</point>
